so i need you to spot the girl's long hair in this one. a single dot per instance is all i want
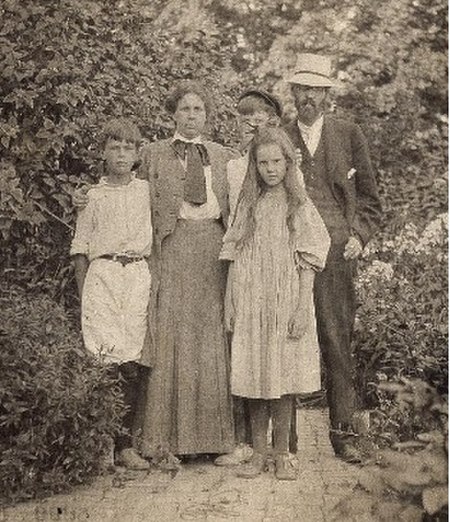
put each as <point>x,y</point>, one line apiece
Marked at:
<point>243,226</point>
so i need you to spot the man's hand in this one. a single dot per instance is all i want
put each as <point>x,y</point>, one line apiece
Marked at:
<point>353,248</point>
<point>79,197</point>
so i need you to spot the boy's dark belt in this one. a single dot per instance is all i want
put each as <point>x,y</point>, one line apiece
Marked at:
<point>121,258</point>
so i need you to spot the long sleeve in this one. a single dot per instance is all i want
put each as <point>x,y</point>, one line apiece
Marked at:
<point>368,206</point>
<point>236,171</point>
<point>150,229</point>
<point>229,312</point>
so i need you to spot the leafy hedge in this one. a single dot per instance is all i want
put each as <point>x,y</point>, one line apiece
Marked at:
<point>408,480</point>
<point>392,61</point>
<point>401,342</point>
<point>69,65</point>
<point>66,67</point>
<point>402,319</point>
<point>58,406</point>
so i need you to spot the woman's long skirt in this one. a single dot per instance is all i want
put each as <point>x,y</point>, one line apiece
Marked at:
<point>188,406</point>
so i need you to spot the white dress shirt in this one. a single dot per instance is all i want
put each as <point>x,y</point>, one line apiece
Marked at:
<point>311,135</point>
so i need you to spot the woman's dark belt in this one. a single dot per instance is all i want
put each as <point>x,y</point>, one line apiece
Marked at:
<point>123,259</point>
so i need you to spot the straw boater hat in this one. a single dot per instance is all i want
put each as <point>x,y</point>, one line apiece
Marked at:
<point>313,70</point>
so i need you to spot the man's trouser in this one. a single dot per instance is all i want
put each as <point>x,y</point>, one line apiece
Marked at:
<point>334,297</point>
<point>335,304</point>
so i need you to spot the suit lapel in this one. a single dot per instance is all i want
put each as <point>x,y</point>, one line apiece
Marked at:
<point>176,173</point>
<point>170,181</point>
<point>218,178</point>
<point>331,147</point>
<point>298,141</point>
<point>294,134</point>
<point>175,160</point>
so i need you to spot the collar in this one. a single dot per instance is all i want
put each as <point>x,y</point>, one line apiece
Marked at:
<point>103,181</point>
<point>178,136</point>
<point>315,127</point>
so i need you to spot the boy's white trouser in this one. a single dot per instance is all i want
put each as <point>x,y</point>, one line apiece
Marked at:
<point>115,309</point>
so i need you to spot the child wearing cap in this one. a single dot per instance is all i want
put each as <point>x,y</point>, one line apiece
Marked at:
<point>110,249</point>
<point>256,108</point>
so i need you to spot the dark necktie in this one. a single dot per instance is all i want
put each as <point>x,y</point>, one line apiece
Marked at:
<point>196,157</point>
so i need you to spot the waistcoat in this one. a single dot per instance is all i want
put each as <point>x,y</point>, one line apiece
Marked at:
<point>319,190</point>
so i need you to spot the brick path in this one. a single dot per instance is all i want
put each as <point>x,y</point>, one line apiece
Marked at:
<point>201,491</point>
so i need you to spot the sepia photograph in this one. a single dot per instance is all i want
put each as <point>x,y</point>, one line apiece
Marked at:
<point>224,260</point>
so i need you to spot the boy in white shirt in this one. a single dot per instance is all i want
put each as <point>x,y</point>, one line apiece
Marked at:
<point>110,249</point>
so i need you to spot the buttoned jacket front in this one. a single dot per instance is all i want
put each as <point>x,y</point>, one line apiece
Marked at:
<point>349,173</point>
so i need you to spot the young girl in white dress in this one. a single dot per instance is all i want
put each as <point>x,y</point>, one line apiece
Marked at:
<point>276,242</point>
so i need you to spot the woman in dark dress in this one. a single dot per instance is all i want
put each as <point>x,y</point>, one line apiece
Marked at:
<point>188,404</point>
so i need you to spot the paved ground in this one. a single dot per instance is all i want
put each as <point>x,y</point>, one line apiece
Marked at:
<point>201,491</point>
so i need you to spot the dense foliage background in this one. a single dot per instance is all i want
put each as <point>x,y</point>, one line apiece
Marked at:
<point>59,408</point>
<point>68,65</point>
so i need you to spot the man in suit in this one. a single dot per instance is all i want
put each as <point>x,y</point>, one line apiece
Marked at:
<point>340,180</point>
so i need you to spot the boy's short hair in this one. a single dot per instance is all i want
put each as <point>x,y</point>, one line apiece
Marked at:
<point>257,100</point>
<point>121,129</point>
<point>184,87</point>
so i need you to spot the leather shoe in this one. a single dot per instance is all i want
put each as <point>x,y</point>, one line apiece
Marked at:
<point>285,468</point>
<point>343,440</point>
<point>130,459</point>
<point>253,468</point>
<point>348,453</point>
<point>241,453</point>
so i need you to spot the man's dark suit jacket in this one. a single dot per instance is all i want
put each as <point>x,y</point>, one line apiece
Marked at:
<point>355,190</point>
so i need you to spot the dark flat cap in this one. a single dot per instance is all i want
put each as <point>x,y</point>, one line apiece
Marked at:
<point>271,99</point>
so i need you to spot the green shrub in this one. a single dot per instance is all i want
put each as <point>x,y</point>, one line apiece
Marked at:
<point>58,406</point>
<point>67,67</point>
<point>401,328</point>
<point>409,480</point>
<point>401,340</point>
